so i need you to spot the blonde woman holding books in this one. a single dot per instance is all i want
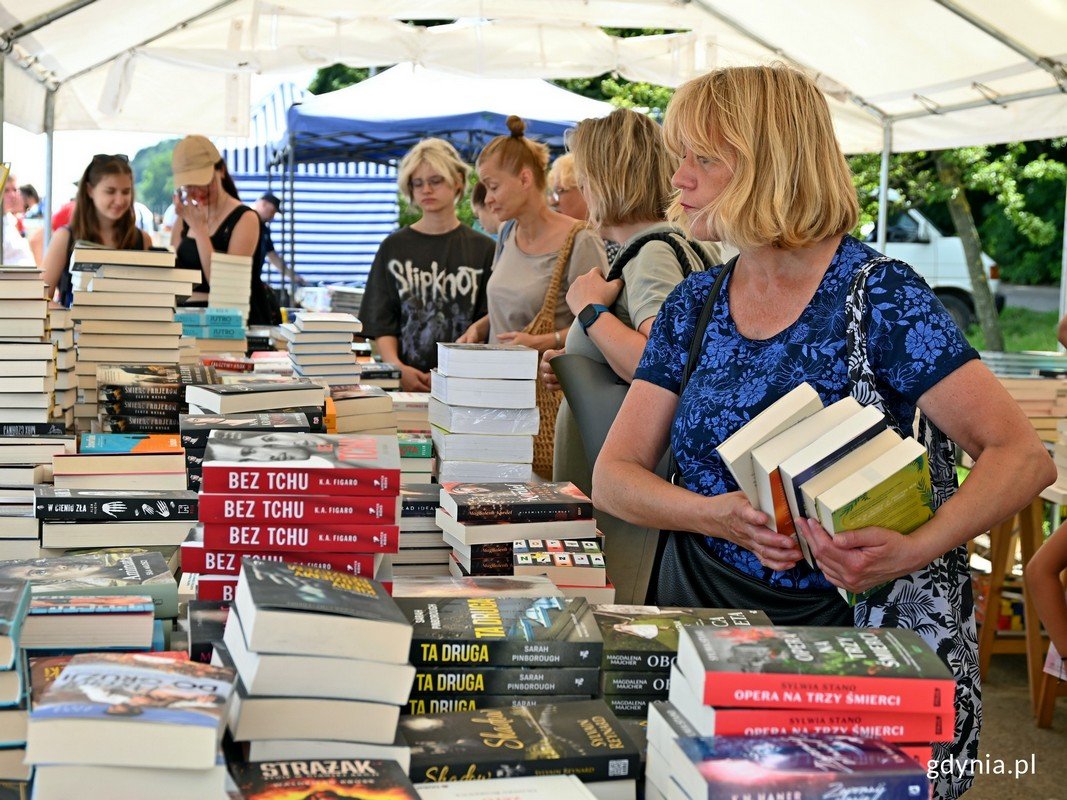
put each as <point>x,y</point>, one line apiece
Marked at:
<point>762,170</point>
<point>103,215</point>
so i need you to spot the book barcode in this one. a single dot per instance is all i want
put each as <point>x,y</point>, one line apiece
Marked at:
<point>618,768</point>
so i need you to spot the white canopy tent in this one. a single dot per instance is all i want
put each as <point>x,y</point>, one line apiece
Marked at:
<point>907,75</point>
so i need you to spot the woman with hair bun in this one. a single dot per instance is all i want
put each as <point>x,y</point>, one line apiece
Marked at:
<point>539,253</point>
<point>427,282</point>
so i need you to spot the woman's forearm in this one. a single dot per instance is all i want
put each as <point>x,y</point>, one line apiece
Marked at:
<point>205,251</point>
<point>1051,604</point>
<point>620,344</point>
<point>629,491</point>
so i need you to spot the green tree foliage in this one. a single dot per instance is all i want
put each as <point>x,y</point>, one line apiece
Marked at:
<point>336,76</point>
<point>154,180</point>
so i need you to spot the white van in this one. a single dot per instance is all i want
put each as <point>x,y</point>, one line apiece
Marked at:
<point>940,259</point>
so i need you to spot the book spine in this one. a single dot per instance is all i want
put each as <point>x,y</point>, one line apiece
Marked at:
<point>524,512</point>
<point>477,681</point>
<point>281,538</point>
<point>631,705</point>
<point>346,481</point>
<point>114,423</point>
<point>889,726</point>
<point>436,653</point>
<point>637,683</point>
<point>117,509</point>
<point>161,391</point>
<point>418,508</point>
<point>229,364</point>
<point>416,449</point>
<point>452,703</point>
<point>216,562</point>
<point>32,429</point>
<point>294,508</point>
<point>833,783</point>
<point>216,589</point>
<point>147,408</point>
<point>600,767</point>
<point>639,660</point>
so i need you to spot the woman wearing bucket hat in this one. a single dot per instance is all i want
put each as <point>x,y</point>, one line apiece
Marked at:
<point>213,218</point>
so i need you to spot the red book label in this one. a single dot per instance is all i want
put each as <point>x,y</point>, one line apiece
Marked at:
<point>886,725</point>
<point>783,517</point>
<point>298,508</point>
<point>216,562</point>
<point>280,538</point>
<point>216,589</point>
<point>262,479</point>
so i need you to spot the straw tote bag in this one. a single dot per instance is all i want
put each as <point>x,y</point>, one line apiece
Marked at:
<point>545,322</point>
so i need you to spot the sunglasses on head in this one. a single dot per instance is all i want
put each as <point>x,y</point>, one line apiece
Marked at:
<point>125,159</point>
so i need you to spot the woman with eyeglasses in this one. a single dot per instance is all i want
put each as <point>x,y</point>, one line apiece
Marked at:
<point>427,282</point>
<point>566,198</point>
<point>213,220</point>
<point>103,214</point>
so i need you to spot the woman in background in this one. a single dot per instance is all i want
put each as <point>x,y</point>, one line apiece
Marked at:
<point>566,197</point>
<point>213,219</point>
<point>103,215</point>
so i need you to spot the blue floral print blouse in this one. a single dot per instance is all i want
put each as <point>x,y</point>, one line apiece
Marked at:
<point>912,344</point>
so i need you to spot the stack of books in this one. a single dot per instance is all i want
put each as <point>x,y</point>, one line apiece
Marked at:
<point>322,660</point>
<point>66,394</point>
<point>570,738</point>
<point>318,498</point>
<point>821,696</point>
<point>380,374</point>
<point>500,382</point>
<point>259,338</point>
<point>1043,400</point>
<point>25,462</point>
<point>231,283</point>
<point>216,330</point>
<point>320,346</point>
<point>27,387</point>
<point>416,453</point>
<point>72,624</point>
<point>114,517</point>
<point>271,362</point>
<point>492,652</point>
<point>141,398</point>
<point>482,521</point>
<point>362,409</point>
<point>412,411</point>
<point>130,725</point>
<point>641,643</point>
<point>14,682</point>
<point>345,299</point>
<point>421,541</point>
<point>194,430</point>
<point>156,464</point>
<point>256,394</point>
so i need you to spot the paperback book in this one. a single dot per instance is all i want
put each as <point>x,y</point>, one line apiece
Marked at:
<point>431,681</point>
<point>295,538</point>
<point>295,508</point>
<point>195,428</point>
<point>334,779</point>
<point>514,502</point>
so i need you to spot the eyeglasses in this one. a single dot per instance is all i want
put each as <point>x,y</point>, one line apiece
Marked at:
<point>435,182</point>
<point>125,159</point>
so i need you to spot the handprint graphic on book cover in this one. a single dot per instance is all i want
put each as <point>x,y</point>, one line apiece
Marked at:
<point>114,508</point>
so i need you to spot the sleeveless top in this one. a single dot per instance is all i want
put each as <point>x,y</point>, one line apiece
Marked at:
<point>66,281</point>
<point>188,257</point>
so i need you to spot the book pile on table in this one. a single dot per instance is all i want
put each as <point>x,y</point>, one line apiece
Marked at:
<point>416,457</point>
<point>843,465</point>
<point>490,652</point>
<point>381,374</point>
<point>640,644</point>
<point>362,409</point>
<point>412,411</point>
<point>345,299</point>
<point>484,432</point>
<point>322,658</point>
<point>1043,400</point>
<point>231,283</point>
<point>482,521</point>
<point>25,462</point>
<point>331,501</point>
<point>249,393</point>
<point>130,725</point>
<point>28,385</point>
<point>320,347</point>
<point>142,398</point>
<point>259,338</point>
<point>14,603</point>
<point>863,706</point>
<point>420,536</point>
<point>271,362</point>
<point>123,461</point>
<point>216,330</point>
<point>66,393</point>
<point>69,624</point>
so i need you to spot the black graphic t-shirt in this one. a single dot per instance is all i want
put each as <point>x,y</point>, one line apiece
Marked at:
<point>426,288</point>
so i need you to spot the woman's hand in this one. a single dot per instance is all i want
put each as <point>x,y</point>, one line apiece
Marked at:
<point>592,288</point>
<point>736,520</point>
<point>193,214</point>
<point>861,559</point>
<point>548,375</point>
<point>519,337</point>
<point>471,336</point>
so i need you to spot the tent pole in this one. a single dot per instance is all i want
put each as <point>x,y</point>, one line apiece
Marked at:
<point>49,158</point>
<point>883,183</point>
<point>291,219</point>
<point>1063,264</point>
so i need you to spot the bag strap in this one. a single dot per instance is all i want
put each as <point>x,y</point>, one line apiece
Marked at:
<point>675,239</point>
<point>502,235</point>
<point>545,319</point>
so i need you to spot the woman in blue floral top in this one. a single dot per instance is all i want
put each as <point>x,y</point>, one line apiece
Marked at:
<point>762,170</point>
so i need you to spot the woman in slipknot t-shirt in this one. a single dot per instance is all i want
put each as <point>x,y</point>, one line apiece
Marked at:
<point>427,283</point>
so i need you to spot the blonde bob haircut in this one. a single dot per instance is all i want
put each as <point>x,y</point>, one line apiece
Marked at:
<point>514,153</point>
<point>791,186</point>
<point>562,172</point>
<point>623,166</point>
<point>439,156</point>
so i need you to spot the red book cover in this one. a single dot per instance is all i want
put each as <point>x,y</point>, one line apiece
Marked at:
<point>888,726</point>
<point>783,516</point>
<point>216,587</point>
<point>258,462</point>
<point>299,538</point>
<point>199,559</point>
<point>279,508</point>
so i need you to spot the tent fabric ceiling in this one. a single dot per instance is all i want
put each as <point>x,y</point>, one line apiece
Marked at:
<point>943,72</point>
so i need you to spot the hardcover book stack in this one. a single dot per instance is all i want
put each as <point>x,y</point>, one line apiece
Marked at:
<point>231,277</point>
<point>25,462</point>
<point>326,500</point>
<point>491,652</point>
<point>141,398</point>
<point>14,603</point>
<point>482,521</point>
<point>1043,400</point>
<point>27,387</point>
<point>216,330</point>
<point>113,517</point>
<point>885,686</point>
<point>322,658</point>
<point>489,394</point>
<point>416,454</point>
<point>844,465</point>
<point>66,394</point>
<point>570,738</point>
<point>130,725</point>
<point>320,347</point>
<point>641,643</point>
<point>412,411</point>
<point>362,409</point>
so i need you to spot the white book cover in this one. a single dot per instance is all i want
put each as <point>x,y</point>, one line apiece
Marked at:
<point>486,360</point>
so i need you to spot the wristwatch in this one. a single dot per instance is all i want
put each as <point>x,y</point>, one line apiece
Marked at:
<point>588,315</point>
